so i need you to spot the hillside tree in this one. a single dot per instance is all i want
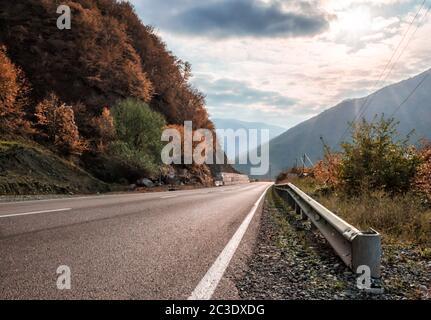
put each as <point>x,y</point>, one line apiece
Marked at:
<point>56,122</point>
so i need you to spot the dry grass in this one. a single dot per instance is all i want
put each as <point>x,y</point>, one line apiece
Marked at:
<point>401,218</point>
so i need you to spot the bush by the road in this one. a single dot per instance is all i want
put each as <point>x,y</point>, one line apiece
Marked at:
<point>423,176</point>
<point>138,131</point>
<point>377,159</point>
<point>13,97</point>
<point>378,180</point>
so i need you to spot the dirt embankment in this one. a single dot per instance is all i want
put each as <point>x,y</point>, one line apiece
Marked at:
<point>27,169</point>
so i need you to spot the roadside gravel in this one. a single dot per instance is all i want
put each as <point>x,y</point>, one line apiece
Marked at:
<point>292,263</point>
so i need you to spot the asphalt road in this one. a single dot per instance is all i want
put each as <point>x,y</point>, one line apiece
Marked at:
<point>130,246</point>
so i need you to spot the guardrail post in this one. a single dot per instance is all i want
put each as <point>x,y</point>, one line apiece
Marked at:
<point>367,251</point>
<point>304,217</point>
<point>297,209</point>
<point>300,211</point>
<point>291,201</point>
<point>287,198</point>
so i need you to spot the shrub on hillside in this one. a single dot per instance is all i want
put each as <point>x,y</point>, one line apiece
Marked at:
<point>138,131</point>
<point>105,129</point>
<point>422,181</point>
<point>327,171</point>
<point>377,159</point>
<point>56,123</point>
<point>13,96</point>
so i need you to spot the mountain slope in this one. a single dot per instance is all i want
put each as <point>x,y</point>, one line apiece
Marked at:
<point>332,123</point>
<point>108,54</point>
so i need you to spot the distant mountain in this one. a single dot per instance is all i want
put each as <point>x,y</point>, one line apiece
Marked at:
<point>332,123</point>
<point>225,124</point>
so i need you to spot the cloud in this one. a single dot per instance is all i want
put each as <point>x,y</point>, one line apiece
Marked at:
<point>236,99</point>
<point>247,18</point>
<point>233,92</point>
<point>267,66</point>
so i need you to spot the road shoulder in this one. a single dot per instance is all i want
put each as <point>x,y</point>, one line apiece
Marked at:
<point>290,262</point>
<point>227,289</point>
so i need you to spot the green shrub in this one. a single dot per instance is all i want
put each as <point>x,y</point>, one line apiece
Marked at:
<point>138,131</point>
<point>377,159</point>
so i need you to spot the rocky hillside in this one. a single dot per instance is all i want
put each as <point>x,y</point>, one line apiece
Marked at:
<point>23,170</point>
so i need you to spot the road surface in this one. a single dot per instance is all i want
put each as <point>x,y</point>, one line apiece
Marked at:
<point>133,246</point>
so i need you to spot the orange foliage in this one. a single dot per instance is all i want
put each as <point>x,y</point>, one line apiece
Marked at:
<point>13,96</point>
<point>108,55</point>
<point>105,128</point>
<point>203,143</point>
<point>326,171</point>
<point>56,121</point>
<point>423,175</point>
<point>112,64</point>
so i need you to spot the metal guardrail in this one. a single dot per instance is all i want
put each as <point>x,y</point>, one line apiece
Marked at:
<point>354,247</point>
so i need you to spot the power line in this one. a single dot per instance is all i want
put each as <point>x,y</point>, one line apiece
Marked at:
<point>408,42</point>
<point>365,105</point>
<point>362,110</point>
<point>411,94</point>
<point>309,160</point>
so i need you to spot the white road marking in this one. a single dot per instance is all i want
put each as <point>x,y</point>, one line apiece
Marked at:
<point>168,197</point>
<point>34,212</point>
<point>97,197</point>
<point>207,286</point>
<point>73,198</point>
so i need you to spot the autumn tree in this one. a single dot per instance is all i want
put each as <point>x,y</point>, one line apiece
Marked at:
<point>56,122</point>
<point>13,96</point>
<point>108,55</point>
<point>104,125</point>
<point>203,145</point>
<point>422,181</point>
<point>94,62</point>
<point>174,96</point>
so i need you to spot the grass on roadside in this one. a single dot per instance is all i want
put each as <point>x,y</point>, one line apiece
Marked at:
<point>402,218</point>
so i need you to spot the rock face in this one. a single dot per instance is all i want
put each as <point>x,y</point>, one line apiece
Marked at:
<point>187,175</point>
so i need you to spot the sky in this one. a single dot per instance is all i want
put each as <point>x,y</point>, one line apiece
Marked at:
<point>283,61</point>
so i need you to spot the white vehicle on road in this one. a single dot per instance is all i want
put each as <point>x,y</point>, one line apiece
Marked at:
<point>218,183</point>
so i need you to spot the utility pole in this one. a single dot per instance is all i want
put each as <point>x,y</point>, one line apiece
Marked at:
<point>303,164</point>
<point>326,149</point>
